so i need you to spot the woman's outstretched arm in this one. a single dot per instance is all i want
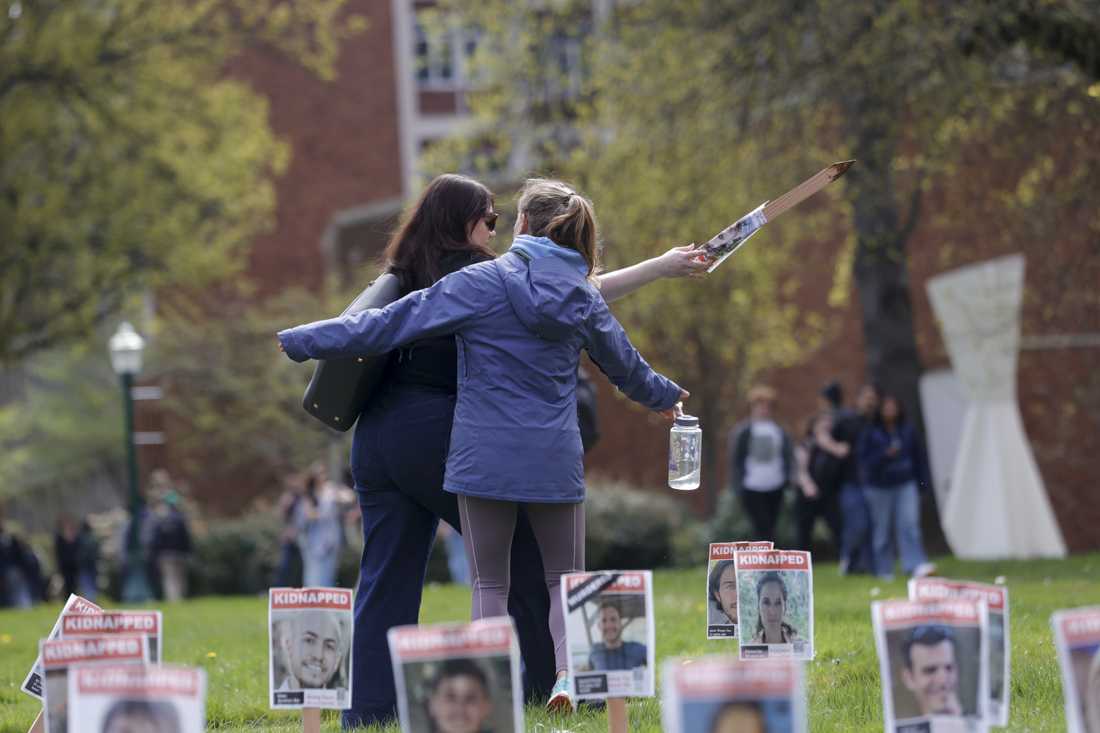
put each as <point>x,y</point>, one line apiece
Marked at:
<point>677,262</point>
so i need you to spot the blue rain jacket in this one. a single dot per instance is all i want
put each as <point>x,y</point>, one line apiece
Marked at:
<point>520,322</point>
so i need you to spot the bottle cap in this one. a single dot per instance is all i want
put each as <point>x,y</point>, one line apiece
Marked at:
<point>687,421</point>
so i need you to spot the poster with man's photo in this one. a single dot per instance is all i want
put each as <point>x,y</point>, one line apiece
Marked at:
<point>143,623</point>
<point>309,660</point>
<point>135,699</point>
<point>609,629</point>
<point>775,606</point>
<point>996,601</point>
<point>722,694</point>
<point>59,660</point>
<point>934,663</point>
<point>1077,637</point>
<point>458,677</point>
<point>32,684</point>
<point>722,587</point>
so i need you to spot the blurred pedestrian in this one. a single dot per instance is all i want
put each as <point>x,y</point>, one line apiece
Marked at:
<point>288,569</point>
<point>855,516</point>
<point>820,462</point>
<point>76,554</point>
<point>171,546</point>
<point>320,531</point>
<point>20,571</point>
<point>761,463</point>
<point>892,463</point>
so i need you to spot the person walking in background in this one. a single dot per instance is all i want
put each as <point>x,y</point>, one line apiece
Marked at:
<point>76,555</point>
<point>820,462</point>
<point>171,546</point>
<point>318,520</point>
<point>892,463</point>
<point>288,569</point>
<point>19,583</point>
<point>761,463</point>
<point>855,516</point>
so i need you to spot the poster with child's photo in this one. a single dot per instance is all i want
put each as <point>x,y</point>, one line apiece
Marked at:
<point>609,630</point>
<point>136,699</point>
<point>309,656</point>
<point>144,623</point>
<point>458,677</point>
<point>1077,638</point>
<point>60,659</point>
<point>722,694</point>
<point>722,587</point>
<point>934,664</point>
<point>775,607</point>
<point>32,683</point>
<point>999,646</point>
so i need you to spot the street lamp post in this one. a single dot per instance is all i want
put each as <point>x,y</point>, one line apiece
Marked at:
<point>126,347</point>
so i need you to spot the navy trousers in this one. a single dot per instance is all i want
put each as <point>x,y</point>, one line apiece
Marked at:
<point>398,458</point>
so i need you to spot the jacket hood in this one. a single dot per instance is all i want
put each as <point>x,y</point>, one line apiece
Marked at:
<point>551,296</point>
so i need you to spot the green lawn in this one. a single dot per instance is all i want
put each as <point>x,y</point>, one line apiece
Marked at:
<point>228,636</point>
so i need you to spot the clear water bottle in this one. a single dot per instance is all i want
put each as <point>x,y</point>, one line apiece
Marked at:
<point>685,450</point>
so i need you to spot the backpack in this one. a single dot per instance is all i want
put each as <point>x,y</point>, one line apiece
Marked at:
<point>586,411</point>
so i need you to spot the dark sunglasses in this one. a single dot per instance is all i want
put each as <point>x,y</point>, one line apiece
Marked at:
<point>491,221</point>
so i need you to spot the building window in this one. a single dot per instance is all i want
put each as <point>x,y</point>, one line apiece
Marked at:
<point>443,57</point>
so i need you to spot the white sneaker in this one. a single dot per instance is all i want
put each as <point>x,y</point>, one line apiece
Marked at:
<point>924,570</point>
<point>561,697</point>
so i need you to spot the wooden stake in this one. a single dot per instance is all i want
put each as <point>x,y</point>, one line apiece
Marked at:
<point>616,715</point>
<point>311,720</point>
<point>39,725</point>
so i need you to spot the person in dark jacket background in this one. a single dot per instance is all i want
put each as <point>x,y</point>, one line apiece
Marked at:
<point>855,516</point>
<point>76,553</point>
<point>171,546</point>
<point>761,463</point>
<point>893,467</point>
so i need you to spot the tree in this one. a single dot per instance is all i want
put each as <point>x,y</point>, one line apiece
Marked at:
<point>688,109</point>
<point>128,159</point>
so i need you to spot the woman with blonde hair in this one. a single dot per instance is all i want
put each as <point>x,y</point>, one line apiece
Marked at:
<point>520,323</point>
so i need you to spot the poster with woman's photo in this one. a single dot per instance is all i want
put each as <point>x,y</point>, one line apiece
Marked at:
<point>609,629</point>
<point>143,623</point>
<point>32,684</point>
<point>722,587</point>
<point>775,607</point>
<point>1077,637</point>
<point>309,656</point>
<point>996,601</point>
<point>934,663</point>
<point>59,657</point>
<point>135,699</point>
<point>722,694</point>
<point>458,677</point>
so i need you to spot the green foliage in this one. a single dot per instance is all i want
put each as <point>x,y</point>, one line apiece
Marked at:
<point>128,160</point>
<point>72,407</point>
<point>237,399</point>
<point>630,529</point>
<point>228,637</point>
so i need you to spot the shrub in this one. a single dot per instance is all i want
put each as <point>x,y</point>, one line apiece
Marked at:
<point>634,529</point>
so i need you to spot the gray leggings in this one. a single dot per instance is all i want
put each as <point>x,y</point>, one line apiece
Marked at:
<point>487,528</point>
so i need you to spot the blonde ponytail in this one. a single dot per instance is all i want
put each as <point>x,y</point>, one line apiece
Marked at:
<point>556,211</point>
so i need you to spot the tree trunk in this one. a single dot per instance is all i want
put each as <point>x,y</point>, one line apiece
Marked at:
<point>881,271</point>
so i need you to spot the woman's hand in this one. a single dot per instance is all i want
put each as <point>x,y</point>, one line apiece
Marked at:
<point>677,409</point>
<point>280,346</point>
<point>685,261</point>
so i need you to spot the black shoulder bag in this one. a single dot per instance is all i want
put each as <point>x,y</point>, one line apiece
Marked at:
<point>340,388</point>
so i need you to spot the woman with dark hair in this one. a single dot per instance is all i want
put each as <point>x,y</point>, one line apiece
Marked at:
<point>722,591</point>
<point>401,442</point>
<point>892,464</point>
<point>771,599</point>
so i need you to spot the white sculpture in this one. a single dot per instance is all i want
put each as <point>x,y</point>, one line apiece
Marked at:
<point>997,506</point>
